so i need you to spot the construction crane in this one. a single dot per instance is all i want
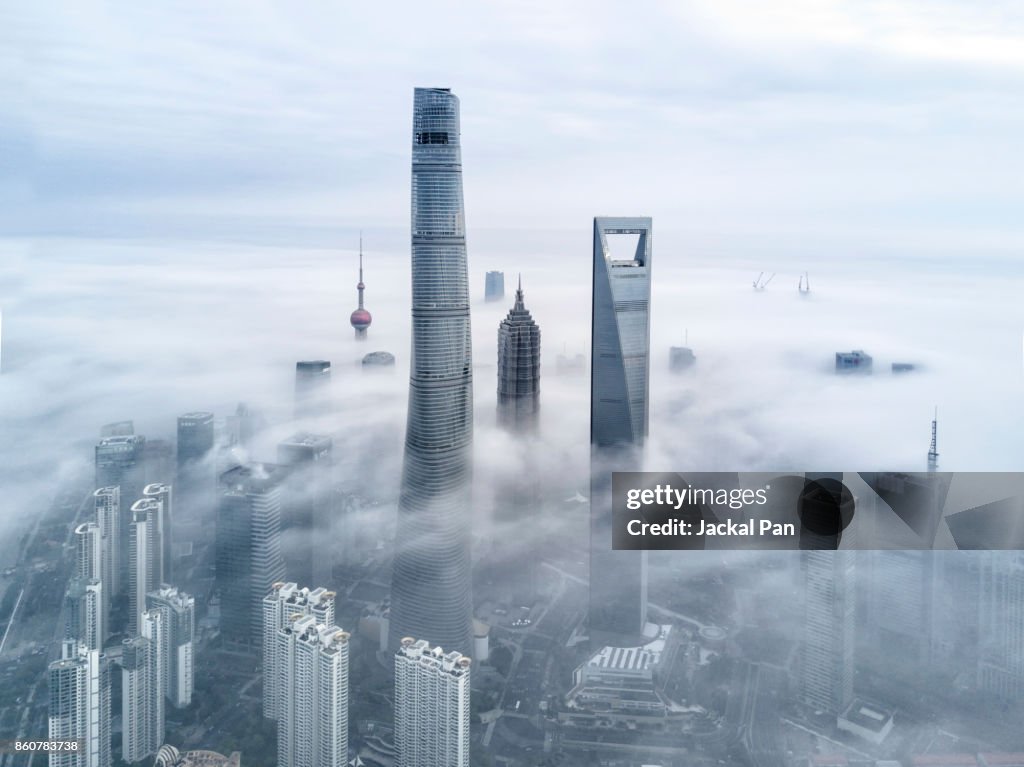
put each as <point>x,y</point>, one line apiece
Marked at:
<point>760,284</point>
<point>804,286</point>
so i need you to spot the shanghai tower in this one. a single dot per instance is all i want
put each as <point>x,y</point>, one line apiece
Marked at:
<point>430,587</point>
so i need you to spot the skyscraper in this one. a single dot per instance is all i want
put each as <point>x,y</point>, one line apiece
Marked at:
<point>312,678</point>
<point>143,557</point>
<point>195,479</point>
<point>518,369</point>
<point>87,602</point>
<point>142,688</point>
<point>360,318</point>
<point>195,438</point>
<point>619,386</point>
<point>430,589</point>
<point>494,286</point>
<point>307,544</point>
<point>178,613</point>
<point>120,461</point>
<point>1001,629</point>
<point>248,556</point>
<point>312,387</point>
<point>829,623</point>
<point>431,706</point>
<point>83,613</point>
<point>161,492</point>
<point>108,517</point>
<point>79,687</point>
<point>281,605</point>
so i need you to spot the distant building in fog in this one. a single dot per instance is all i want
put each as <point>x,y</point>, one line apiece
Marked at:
<point>570,366</point>
<point>195,438</point>
<point>681,358</point>
<point>518,369</point>
<point>431,706</point>
<point>248,550</point>
<point>379,360</point>
<point>856,361</point>
<point>312,387</point>
<point>306,543</point>
<point>494,286</point>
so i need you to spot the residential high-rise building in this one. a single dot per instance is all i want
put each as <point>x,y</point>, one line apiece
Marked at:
<point>360,318</point>
<point>144,551</point>
<point>312,681</point>
<point>619,403</point>
<point>79,688</point>
<point>307,543</point>
<point>1001,625</point>
<point>142,688</point>
<point>87,603</point>
<point>312,388</point>
<point>120,461</point>
<point>430,589</point>
<point>108,517</point>
<point>829,623</point>
<point>248,555</point>
<point>494,286</point>
<point>178,612</point>
<point>83,613</point>
<point>431,706</point>
<point>518,369</point>
<point>285,602</point>
<point>161,492</point>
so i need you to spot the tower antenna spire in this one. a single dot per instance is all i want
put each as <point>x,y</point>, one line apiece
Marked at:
<point>933,451</point>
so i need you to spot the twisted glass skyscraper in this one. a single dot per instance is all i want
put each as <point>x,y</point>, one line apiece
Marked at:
<point>430,589</point>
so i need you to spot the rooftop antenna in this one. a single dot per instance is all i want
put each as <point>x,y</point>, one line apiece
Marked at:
<point>933,451</point>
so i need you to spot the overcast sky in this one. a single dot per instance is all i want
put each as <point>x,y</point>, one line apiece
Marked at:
<point>894,122</point>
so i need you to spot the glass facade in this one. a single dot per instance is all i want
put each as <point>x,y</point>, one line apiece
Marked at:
<point>430,594</point>
<point>619,386</point>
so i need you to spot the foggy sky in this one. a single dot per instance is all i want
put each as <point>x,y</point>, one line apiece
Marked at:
<point>817,124</point>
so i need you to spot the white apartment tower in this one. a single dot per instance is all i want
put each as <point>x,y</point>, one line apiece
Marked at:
<point>143,557</point>
<point>284,603</point>
<point>179,618</point>
<point>431,706</point>
<point>312,680</point>
<point>142,690</point>
<point>108,509</point>
<point>79,689</point>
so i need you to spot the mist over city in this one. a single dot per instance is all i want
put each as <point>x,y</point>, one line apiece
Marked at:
<point>747,240</point>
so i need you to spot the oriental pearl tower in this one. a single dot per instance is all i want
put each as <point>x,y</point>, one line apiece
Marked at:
<point>360,318</point>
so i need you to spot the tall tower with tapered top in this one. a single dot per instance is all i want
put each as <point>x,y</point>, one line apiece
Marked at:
<point>430,587</point>
<point>361,318</point>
